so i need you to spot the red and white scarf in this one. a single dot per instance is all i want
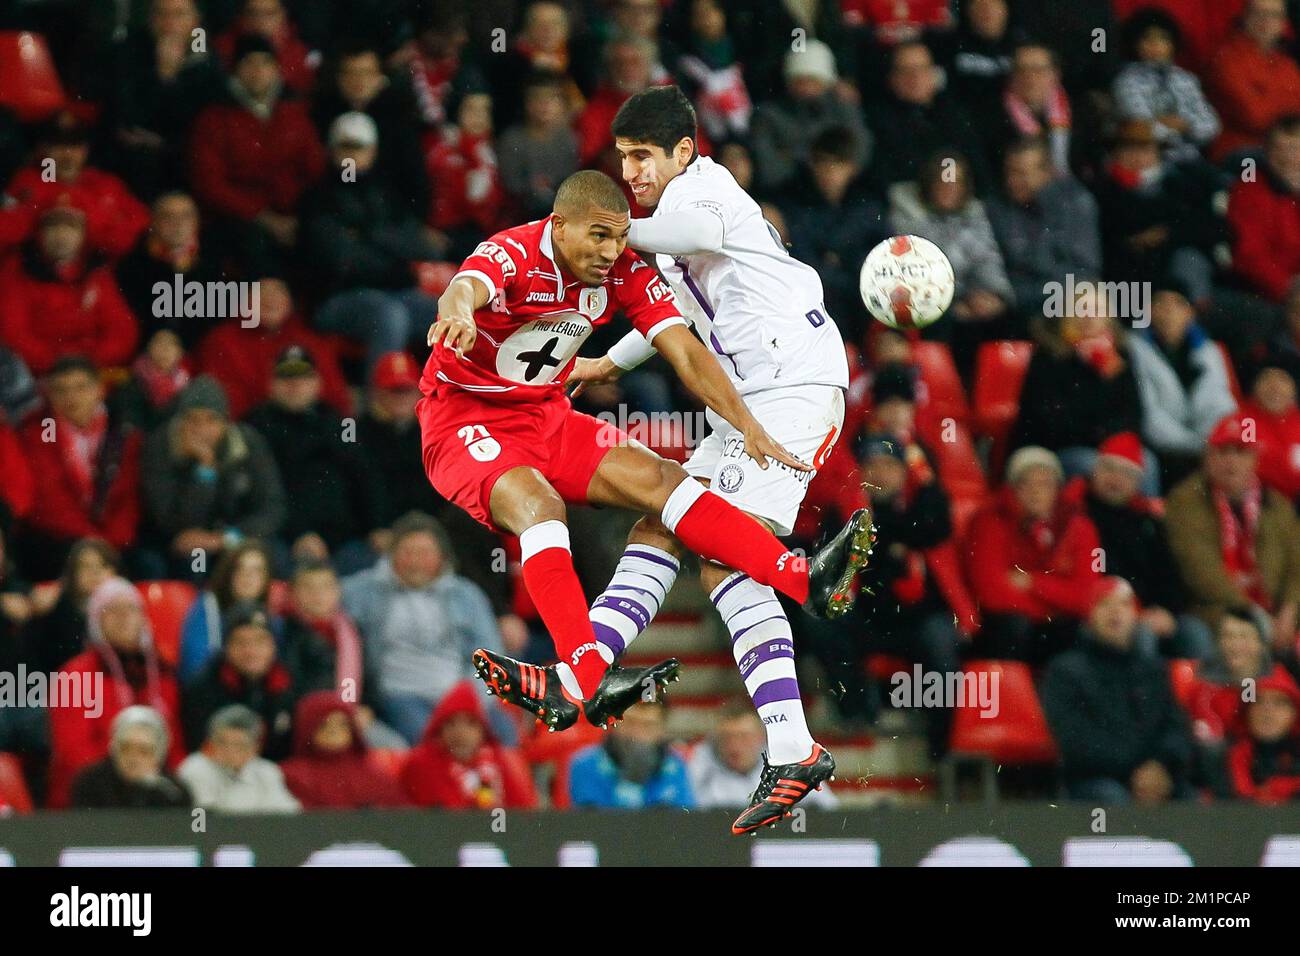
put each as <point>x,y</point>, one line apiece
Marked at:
<point>1237,539</point>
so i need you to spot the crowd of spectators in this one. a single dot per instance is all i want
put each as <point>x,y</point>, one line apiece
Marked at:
<point>333,160</point>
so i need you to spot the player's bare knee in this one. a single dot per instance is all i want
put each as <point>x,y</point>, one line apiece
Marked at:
<point>522,498</point>
<point>652,532</point>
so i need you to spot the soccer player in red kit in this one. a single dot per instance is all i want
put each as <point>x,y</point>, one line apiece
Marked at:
<point>502,441</point>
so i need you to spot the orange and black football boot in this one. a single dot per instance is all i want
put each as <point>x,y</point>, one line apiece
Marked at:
<point>781,787</point>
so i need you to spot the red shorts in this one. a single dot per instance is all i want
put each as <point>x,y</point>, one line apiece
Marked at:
<point>469,443</point>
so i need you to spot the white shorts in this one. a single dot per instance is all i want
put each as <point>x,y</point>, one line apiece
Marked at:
<point>805,419</point>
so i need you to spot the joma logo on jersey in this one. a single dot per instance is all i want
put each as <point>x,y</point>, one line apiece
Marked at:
<point>538,295</point>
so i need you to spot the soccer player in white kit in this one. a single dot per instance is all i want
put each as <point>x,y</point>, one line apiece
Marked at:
<point>761,312</point>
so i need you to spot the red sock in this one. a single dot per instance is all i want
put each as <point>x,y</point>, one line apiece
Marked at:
<point>553,585</point>
<point>721,532</point>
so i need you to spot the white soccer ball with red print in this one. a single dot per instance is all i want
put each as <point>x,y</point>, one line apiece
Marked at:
<point>907,282</point>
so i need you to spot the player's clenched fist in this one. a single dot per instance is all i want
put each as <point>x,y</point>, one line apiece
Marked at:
<point>456,332</point>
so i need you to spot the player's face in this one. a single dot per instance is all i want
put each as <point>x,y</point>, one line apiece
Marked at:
<point>648,169</point>
<point>590,245</point>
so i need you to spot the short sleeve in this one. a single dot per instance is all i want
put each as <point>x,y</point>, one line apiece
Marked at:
<point>646,299</point>
<point>694,192</point>
<point>493,263</point>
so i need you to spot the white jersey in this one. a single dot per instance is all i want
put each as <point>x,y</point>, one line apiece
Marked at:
<point>754,304</point>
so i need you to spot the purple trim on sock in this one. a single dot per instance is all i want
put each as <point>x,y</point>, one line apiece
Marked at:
<point>630,609</point>
<point>765,652</point>
<point>748,607</point>
<point>609,637</point>
<point>647,556</point>
<point>741,633</point>
<point>727,587</point>
<point>775,691</point>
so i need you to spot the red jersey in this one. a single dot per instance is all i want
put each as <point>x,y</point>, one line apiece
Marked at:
<point>531,329</point>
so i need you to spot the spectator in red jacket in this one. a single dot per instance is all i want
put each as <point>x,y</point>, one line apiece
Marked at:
<point>1264,766</point>
<point>17,483</point>
<point>458,764</point>
<point>88,463</point>
<point>330,767</point>
<point>114,218</point>
<point>1251,80</point>
<point>254,155</point>
<point>467,192</point>
<point>1272,406</point>
<point>1031,560</point>
<point>119,668</point>
<point>1241,658</point>
<point>1264,213</point>
<point>56,301</point>
<point>242,359</point>
<point>269,20</point>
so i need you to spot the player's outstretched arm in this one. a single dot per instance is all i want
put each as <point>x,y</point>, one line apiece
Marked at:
<point>682,232</point>
<point>699,370</point>
<point>455,327</point>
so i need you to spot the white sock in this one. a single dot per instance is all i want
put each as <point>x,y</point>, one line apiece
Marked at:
<point>630,601</point>
<point>763,648</point>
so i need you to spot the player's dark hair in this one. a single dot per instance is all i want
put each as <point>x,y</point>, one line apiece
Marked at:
<point>661,116</point>
<point>589,189</point>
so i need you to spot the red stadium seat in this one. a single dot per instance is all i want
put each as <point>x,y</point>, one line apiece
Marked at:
<point>29,83</point>
<point>165,604</point>
<point>1018,734</point>
<point>960,471</point>
<point>946,395</point>
<point>13,788</point>
<point>1000,369</point>
<point>884,666</point>
<point>1182,680</point>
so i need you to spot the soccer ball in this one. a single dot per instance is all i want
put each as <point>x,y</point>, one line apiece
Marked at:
<point>907,282</point>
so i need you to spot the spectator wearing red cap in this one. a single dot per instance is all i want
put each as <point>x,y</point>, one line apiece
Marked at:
<point>1237,541</point>
<point>1251,79</point>
<point>242,359</point>
<point>88,464</point>
<point>252,158</point>
<point>459,764</point>
<point>1122,736</point>
<point>1264,765</point>
<point>1135,546</point>
<point>1264,213</point>
<point>114,219</point>
<point>56,300</point>
<point>1272,406</point>
<point>1182,380</point>
<point>1031,558</point>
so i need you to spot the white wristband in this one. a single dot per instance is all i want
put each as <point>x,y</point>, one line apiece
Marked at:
<point>630,351</point>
